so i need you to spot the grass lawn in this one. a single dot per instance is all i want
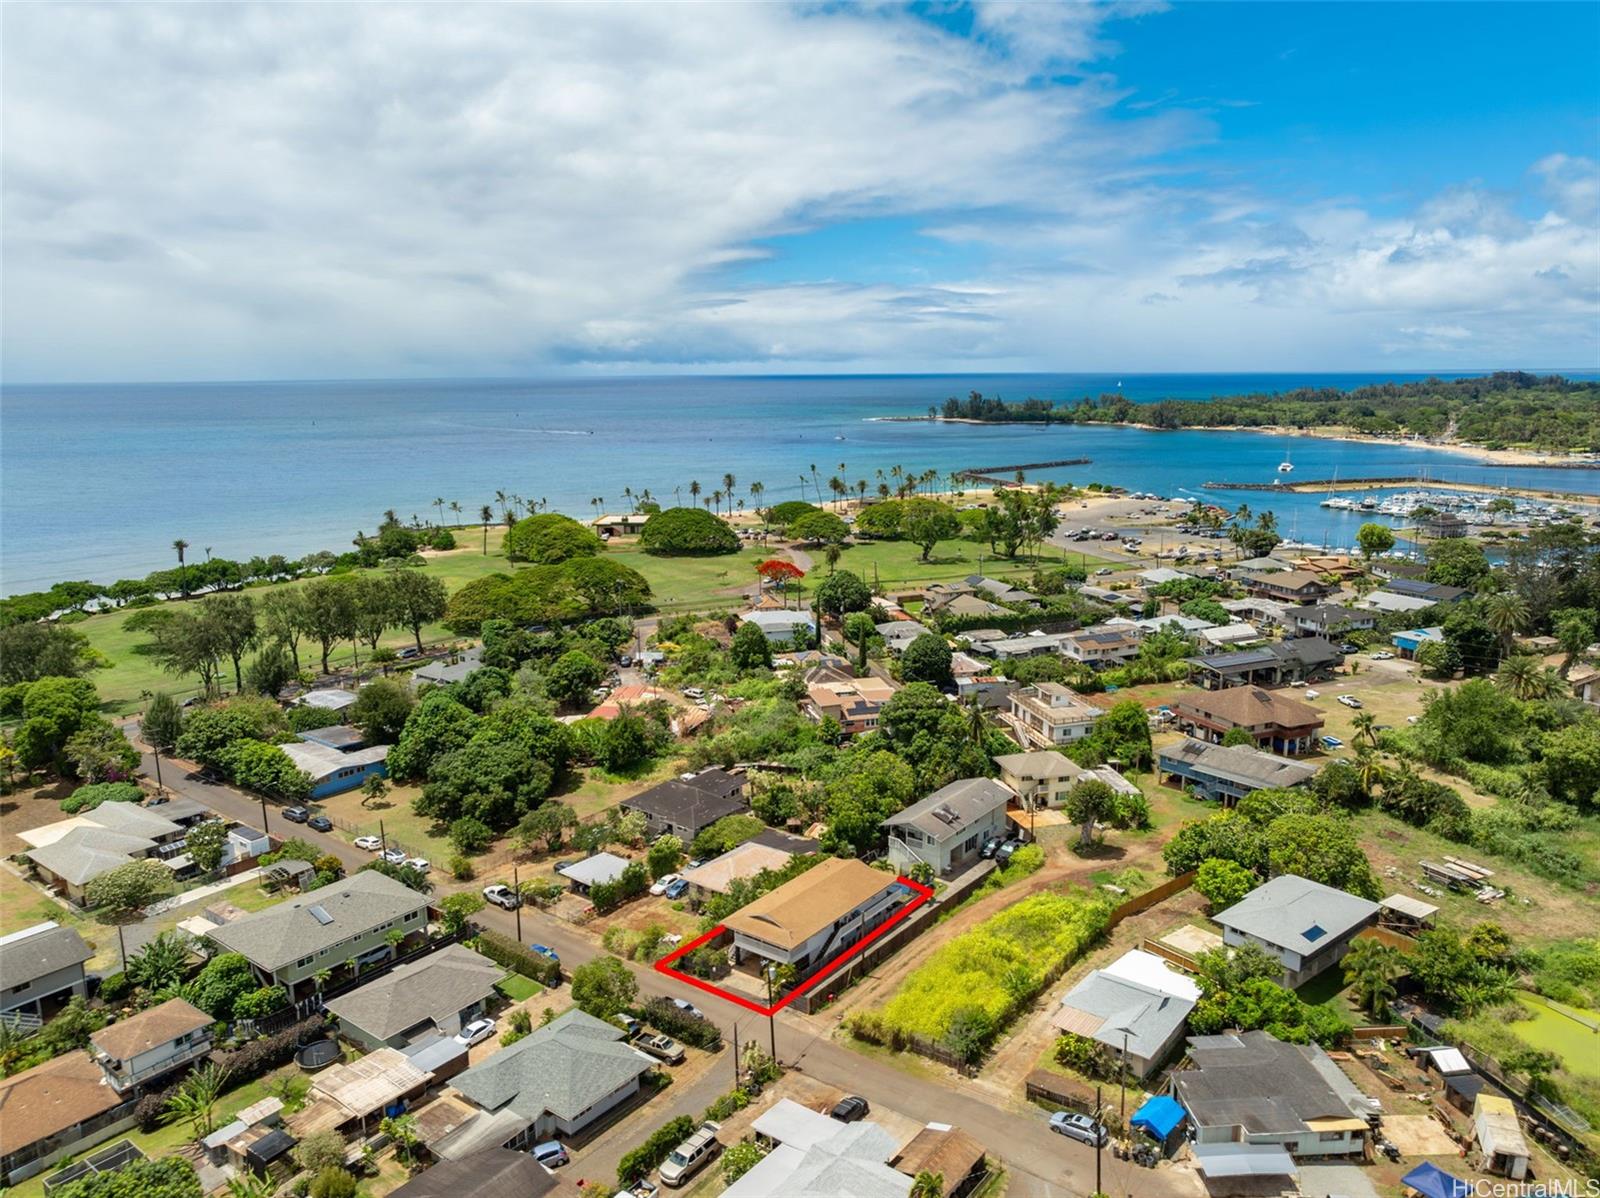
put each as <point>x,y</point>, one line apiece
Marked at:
<point>593,791</point>
<point>21,906</point>
<point>898,563</point>
<point>164,1141</point>
<point>685,582</point>
<point>517,988</point>
<point>404,827</point>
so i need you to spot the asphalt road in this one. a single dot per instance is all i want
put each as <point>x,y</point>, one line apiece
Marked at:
<point>1041,1163</point>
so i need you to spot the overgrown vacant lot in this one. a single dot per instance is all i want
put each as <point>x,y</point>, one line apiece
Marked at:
<point>997,967</point>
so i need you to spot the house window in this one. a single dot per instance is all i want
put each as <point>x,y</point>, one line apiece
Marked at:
<point>1329,1137</point>
<point>303,962</point>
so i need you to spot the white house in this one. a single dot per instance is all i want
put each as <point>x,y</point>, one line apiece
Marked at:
<point>1137,1007</point>
<point>948,828</point>
<point>151,1044</point>
<point>1050,714</point>
<point>1306,925</point>
<point>781,627</point>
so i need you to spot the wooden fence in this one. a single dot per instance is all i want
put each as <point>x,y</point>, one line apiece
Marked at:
<point>1181,960</point>
<point>1056,1090</point>
<point>1388,1031</point>
<point>1150,898</point>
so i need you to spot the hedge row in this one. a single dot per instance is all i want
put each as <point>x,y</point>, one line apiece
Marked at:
<point>660,1014</point>
<point>630,884</point>
<point>503,950</point>
<point>635,1164</point>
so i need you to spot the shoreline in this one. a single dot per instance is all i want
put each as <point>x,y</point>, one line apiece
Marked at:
<point>1481,453</point>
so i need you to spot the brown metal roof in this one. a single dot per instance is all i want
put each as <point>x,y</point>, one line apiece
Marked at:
<point>803,906</point>
<point>947,1151</point>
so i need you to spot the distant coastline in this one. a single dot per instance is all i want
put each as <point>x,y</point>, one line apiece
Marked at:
<point>1563,460</point>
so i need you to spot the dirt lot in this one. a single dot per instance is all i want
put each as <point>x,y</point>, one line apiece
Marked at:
<point>28,809</point>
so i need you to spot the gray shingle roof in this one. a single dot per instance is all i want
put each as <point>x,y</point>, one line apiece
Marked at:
<point>1298,914</point>
<point>1226,1086</point>
<point>1149,1016</point>
<point>283,934</point>
<point>493,1173</point>
<point>36,952</point>
<point>685,803</point>
<point>132,820</point>
<point>85,853</point>
<point>963,803</point>
<point>564,1067</point>
<point>1239,764</point>
<point>435,987</point>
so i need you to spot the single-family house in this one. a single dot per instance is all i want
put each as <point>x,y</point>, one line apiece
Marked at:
<point>1104,645</point>
<point>1166,622</point>
<point>351,919</point>
<point>41,970</point>
<point>690,803</point>
<point>1585,684</point>
<point>988,690</point>
<point>492,1173</point>
<point>1331,620</point>
<point>1308,1109</point>
<point>141,1049</point>
<point>1408,642</point>
<point>1159,575</point>
<point>436,994</point>
<point>54,1110</point>
<point>1040,778</point>
<point>557,1082</point>
<point>814,1156</point>
<point>1050,714</point>
<point>1272,719</point>
<point>1266,612</point>
<point>1226,773</point>
<point>781,627</point>
<point>353,1096</point>
<point>1287,586</point>
<point>813,918</point>
<point>771,849</point>
<point>244,843</point>
<point>853,703</point>
<point>598,869</point>
<point>329,698</point>
<point>1025,644</point>
<point>1499,1136</point>
<point>948,828</point>
<point>898,634</point>
<point>965,607</point>
<point>1229,636</point>
<point>1259,565</point>
<point>332,771</point>
<point>1388,603</point>
<point>1306,925</point>
<point>1417,588</point>
<point>69,864</point>
<point>1303,659</point>
<point>1137,1007</point>
<point>450,670</point>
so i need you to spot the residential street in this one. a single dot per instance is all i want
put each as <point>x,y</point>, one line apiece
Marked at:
<point>1042,1164</point>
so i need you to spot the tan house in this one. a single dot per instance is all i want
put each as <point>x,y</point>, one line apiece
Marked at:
<point>811,919</point>
<point>854,703</point>
<point>152,1044</point>
<point>53,1110</point>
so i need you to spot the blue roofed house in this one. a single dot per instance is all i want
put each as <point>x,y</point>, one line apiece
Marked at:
<point>1407,643</point>
<point>333,771</point>
<point>1306,925</point>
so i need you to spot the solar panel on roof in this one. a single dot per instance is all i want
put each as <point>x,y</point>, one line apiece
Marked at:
<point>1315,932</point>
<point>321,915</point>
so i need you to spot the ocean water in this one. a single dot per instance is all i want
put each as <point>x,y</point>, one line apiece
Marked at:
<point>97,481</point>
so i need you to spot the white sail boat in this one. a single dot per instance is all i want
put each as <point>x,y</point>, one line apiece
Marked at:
<point>1285,466</point>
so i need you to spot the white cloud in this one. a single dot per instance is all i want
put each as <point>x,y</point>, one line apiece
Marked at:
<point>210,191</point>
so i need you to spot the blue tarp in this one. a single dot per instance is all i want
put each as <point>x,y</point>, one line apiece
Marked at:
<point>1158,1116</point>
<point>1431,1181</point>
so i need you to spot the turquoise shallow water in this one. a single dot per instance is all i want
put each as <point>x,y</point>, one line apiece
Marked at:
<point>97,481</point>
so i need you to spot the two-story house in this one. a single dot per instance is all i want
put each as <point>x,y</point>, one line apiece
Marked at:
<point>148,1046</point>
<point>1306,925</point>
<point>41,969</point>
<point>948,828</point>
<point>1050,714</point>
<point>813,918</point>
<point>348,920</point>
<point>1105,645</point>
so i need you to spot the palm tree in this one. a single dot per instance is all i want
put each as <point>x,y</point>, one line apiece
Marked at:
<point>694,491</point>
<point>1370,769</point>
<point>183,575</point>
<point>727,486</point>
<point>486,514</point>
<point>1519,675</point>
<point>927,1185</point>
<point>438,504</point>
<point>627,493</point>
<point>1507,613</point>
<point>814,482</point>
<point>1371,967</point>
<point>861,491</point>
<point>251,1185</point>
<point>1366,724</point>
<point>195,1100</point>
<point>455,510</point>
<point>500,498</point>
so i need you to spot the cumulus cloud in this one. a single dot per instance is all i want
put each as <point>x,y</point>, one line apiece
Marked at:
<point>292,191</point>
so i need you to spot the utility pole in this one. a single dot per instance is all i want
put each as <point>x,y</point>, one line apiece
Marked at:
<point>517,887</point>
<point>1123,1082</point>
<point>1098,1108</point>
<point>383,841</point>
<point>265,831</point>
<point>160,789</point>
<point>772,1027</point>
<point>735,1054</point>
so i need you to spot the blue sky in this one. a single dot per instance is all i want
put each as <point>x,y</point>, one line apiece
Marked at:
<point>219,192</point>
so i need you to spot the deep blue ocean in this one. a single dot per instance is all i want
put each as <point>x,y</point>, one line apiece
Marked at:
<point>97,481</point>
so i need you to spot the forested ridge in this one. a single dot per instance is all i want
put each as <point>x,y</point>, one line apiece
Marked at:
<point>1505,408</point>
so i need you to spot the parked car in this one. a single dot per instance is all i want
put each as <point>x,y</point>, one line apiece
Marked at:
<point>545,951</point>
<point>1383,655</point>
<point>1350,700</point>
<point>1078,1127</point>
<point>627,1023</point>
<point>502,896</point>
<point>1003,853</point>
<point>660,885</point>
<point>394,856</point>
<point>551,1154</point>
<point>850,1108</point>
<point>408,653</point>
<point>639,1189</point>
<point>1310,694</point>
<point>694,1154</point>
<point>476,1032</point>
<point>663,1048</point>
<point>688,1008</point>
<point>370,843</point>
<point>1349,647</point>
<point>694,692</point>
<point>1103,571</point>
<point>678,889</point>
<point>320,823</point>
<point>420,864</point>
<point>990,848</point>
<point>297,815</point>
<point>1332,742</point>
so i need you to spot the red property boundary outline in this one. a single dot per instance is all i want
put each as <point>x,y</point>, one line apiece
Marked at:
<point>921,893</point>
